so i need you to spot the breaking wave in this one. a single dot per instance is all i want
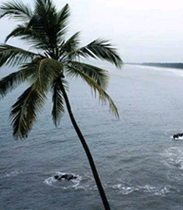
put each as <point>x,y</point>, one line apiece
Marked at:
<point>152,190</point>
<point>173,157</point>
<point>78,183</point>
<point>13,173</point>
<point>87,183</point>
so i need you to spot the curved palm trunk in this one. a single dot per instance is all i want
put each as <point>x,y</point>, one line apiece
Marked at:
<point>87,151</point>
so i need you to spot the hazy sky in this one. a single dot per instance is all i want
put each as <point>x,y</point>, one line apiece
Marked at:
<point>141,30</point>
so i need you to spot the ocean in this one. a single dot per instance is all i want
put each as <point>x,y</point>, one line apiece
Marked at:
<point>139,163</point>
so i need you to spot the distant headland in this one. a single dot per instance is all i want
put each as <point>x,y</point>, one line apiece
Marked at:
<point>166,65</point>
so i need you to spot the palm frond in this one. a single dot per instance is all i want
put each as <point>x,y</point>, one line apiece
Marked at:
<point>17,10</point>
<point>58,101</point>
<point>37,32</point>
<point>45,26</point>
<point>99,75</point>
<point>66,48</point>
<point>39,71</point>
<point>11,81</point>
<point>34,37</point>
<point>10,55</point>
<point>43,6</point>
<point>23,112</point>
<point>62,19</point>
<point>71,44</point>
<point>30,70</point>
<point>45,13</point>
<point>103,96</point>
<point>19,31</point>
<point>101,49</point>
<point>47,70</point>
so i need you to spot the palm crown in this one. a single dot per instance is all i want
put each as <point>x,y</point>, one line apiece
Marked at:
<point>50,61</point>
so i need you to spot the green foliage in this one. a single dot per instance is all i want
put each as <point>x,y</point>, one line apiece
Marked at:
<point>45,29</point>
<point>58,101</point>
<point>23,112</point>
<point>12,56</point>
<point>99,75</point>
<point>11,81</point>
<point>103,96</point>
<point>101,49</point>
<point>16,10</point>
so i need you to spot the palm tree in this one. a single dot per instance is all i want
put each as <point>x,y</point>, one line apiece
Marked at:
<point>51,59</point>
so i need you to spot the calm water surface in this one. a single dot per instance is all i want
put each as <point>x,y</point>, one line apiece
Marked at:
<point>140,165</point>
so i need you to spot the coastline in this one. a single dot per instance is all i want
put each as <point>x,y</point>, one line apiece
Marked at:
<point>175,68</point>
<point>164,65</point>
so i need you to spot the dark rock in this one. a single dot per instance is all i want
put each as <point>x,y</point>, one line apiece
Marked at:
<point>65,176</point>
<point>56,176</point>
<point>176,136</point>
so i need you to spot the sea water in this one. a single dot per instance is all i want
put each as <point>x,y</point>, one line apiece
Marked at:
<point>139,163</point>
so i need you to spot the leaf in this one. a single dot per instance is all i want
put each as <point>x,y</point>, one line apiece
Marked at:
<point>47,70</point>
<point>12,56</point>
<point>101,49</point>
<point>11,81</point>
<point>17,10</point>
<point>58,101</point>
<point>47,24</point>
<point>20,30</point>
<point>62,19</point>
<point>70,45</point>
<point>23,112</point>
<point>97,74</point>
<point>103,96</point>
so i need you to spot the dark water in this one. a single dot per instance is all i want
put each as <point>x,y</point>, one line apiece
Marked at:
<point>140,165</point>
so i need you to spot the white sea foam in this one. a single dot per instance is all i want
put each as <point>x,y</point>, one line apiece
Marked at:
<point>64,184</point>
<point>173,157</point>
<point>13,173</point>
<point>155,190</point>
<point>87,183</point>
<point>50,181</point>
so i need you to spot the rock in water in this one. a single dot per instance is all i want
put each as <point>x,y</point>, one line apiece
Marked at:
<point>176,136</point>
<point>65,176</point>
